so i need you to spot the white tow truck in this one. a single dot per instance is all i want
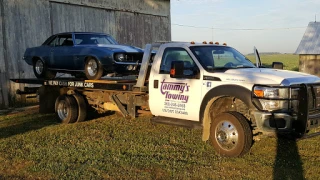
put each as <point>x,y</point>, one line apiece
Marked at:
<point>197,85</point>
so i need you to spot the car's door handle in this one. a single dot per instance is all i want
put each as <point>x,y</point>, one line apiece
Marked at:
<point>156,84</point>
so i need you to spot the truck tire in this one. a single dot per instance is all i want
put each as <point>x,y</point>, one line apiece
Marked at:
<point>66,109</point>
<point>230,134</point>
<point>93,69</point>
<point>41,71</point>
<point>82,107</point>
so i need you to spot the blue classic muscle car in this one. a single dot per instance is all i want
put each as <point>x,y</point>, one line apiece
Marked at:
<point>91,54</point>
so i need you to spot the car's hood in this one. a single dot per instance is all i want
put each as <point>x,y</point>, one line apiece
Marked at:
<point>120,48</point>
<point>267,76</point>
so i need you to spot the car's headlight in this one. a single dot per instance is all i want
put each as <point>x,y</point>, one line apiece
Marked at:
<point>270,98</point>
<point>120,57</point>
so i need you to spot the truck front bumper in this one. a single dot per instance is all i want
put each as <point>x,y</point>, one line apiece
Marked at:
<point>274,122</point>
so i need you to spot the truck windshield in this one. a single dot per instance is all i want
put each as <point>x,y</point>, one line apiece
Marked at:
<point>220,57</point>
<point>89,39</point>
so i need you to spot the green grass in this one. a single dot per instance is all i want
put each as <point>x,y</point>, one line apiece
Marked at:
<point>35,146</point>
<point>290,61</point>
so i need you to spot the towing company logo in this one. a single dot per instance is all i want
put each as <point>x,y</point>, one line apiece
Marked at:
<point>175,91</point>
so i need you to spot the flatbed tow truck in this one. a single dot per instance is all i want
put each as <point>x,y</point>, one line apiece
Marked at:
<point>197,85</point>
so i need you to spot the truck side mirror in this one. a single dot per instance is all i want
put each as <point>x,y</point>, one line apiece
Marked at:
<point>277,65</point>
<point>176,70</point>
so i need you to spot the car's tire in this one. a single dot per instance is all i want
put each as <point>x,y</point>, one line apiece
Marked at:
<point>41,71</point>
<point>93,69</point>
<point>230,134</point>
<point>66,109</point>
<point>82,107</point>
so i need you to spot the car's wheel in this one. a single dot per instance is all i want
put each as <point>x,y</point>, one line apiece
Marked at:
<point>66,109</point>
<point>93,69</point>
<point>230,134</point>
<point>82,107</point>
<point>40,70</point>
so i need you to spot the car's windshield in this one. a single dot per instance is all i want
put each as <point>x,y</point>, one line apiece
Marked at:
<point>220,57</point>
<point>85,39</point>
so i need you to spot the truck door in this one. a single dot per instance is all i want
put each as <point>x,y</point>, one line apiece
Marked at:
<point>175,97</point>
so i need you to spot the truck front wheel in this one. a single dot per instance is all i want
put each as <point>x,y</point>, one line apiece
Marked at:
<point>230,134</point>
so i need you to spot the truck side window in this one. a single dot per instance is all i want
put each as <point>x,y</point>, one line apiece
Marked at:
<point>176,54</point>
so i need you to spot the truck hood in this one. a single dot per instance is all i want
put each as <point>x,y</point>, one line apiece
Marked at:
<point>267,76</point>
<point>120,48</point>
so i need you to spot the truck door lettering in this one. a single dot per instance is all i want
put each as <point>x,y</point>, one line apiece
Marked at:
<point>167,88</point>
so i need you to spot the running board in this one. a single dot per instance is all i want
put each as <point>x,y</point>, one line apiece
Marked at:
<point>309,136</point>
<point>176,122</point>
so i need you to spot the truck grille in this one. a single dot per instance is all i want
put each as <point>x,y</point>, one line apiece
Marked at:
<point>313,97</point>
<point>313,106</point>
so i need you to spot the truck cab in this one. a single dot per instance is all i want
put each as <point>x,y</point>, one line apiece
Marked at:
<point>219,89</point>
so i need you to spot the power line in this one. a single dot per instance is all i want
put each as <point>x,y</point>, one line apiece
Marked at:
<point>239,29</point>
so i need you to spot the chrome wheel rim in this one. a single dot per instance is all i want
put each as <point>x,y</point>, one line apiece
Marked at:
<point>227,135</point>
<point>92,67</point>
<point>62,110</point>
<point>39,67</point>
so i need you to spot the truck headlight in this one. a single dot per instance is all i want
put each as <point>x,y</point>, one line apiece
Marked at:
<point>120,57</point>
<point>271,98</point>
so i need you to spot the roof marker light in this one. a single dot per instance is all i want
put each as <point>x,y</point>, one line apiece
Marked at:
<point>204,42</point>
<point>224,44</point>
<point>192,42</point>
<point>210,42</point>
<point>217,43</point>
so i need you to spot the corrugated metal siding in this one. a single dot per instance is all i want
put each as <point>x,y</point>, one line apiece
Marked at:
<point>149,7</point>
<point>3,77</point>
<point>28,23</point>
<point>310,43</point>
<point>67,18</point>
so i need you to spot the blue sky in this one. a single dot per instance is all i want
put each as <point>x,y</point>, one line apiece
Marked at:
<point>283,22</point>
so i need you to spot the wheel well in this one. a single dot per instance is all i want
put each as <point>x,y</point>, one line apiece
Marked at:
<point>229,103</point>
<point>35,58</point>
<point>88,57</point>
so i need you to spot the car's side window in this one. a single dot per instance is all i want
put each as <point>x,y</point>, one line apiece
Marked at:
<point>53,42</point>
<point>64,40</point>
<point>176,54</point>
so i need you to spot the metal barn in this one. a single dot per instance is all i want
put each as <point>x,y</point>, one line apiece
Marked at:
<point>27,23</point>
<point>309,50</point>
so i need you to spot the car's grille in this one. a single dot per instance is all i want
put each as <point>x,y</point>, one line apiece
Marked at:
<point>132,57</point>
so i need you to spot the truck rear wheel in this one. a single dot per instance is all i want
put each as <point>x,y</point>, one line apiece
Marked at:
<point>230,134</point>
<point>66,109</point>
<point>82,107</point>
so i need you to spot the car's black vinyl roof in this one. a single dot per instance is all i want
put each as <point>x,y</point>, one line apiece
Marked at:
<point>80,33</point>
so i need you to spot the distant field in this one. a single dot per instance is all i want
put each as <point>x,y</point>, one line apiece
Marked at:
<point>34,146</point>
<point>290,61</point>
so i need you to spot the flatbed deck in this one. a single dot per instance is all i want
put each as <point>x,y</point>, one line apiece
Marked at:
<point>109,83</point>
